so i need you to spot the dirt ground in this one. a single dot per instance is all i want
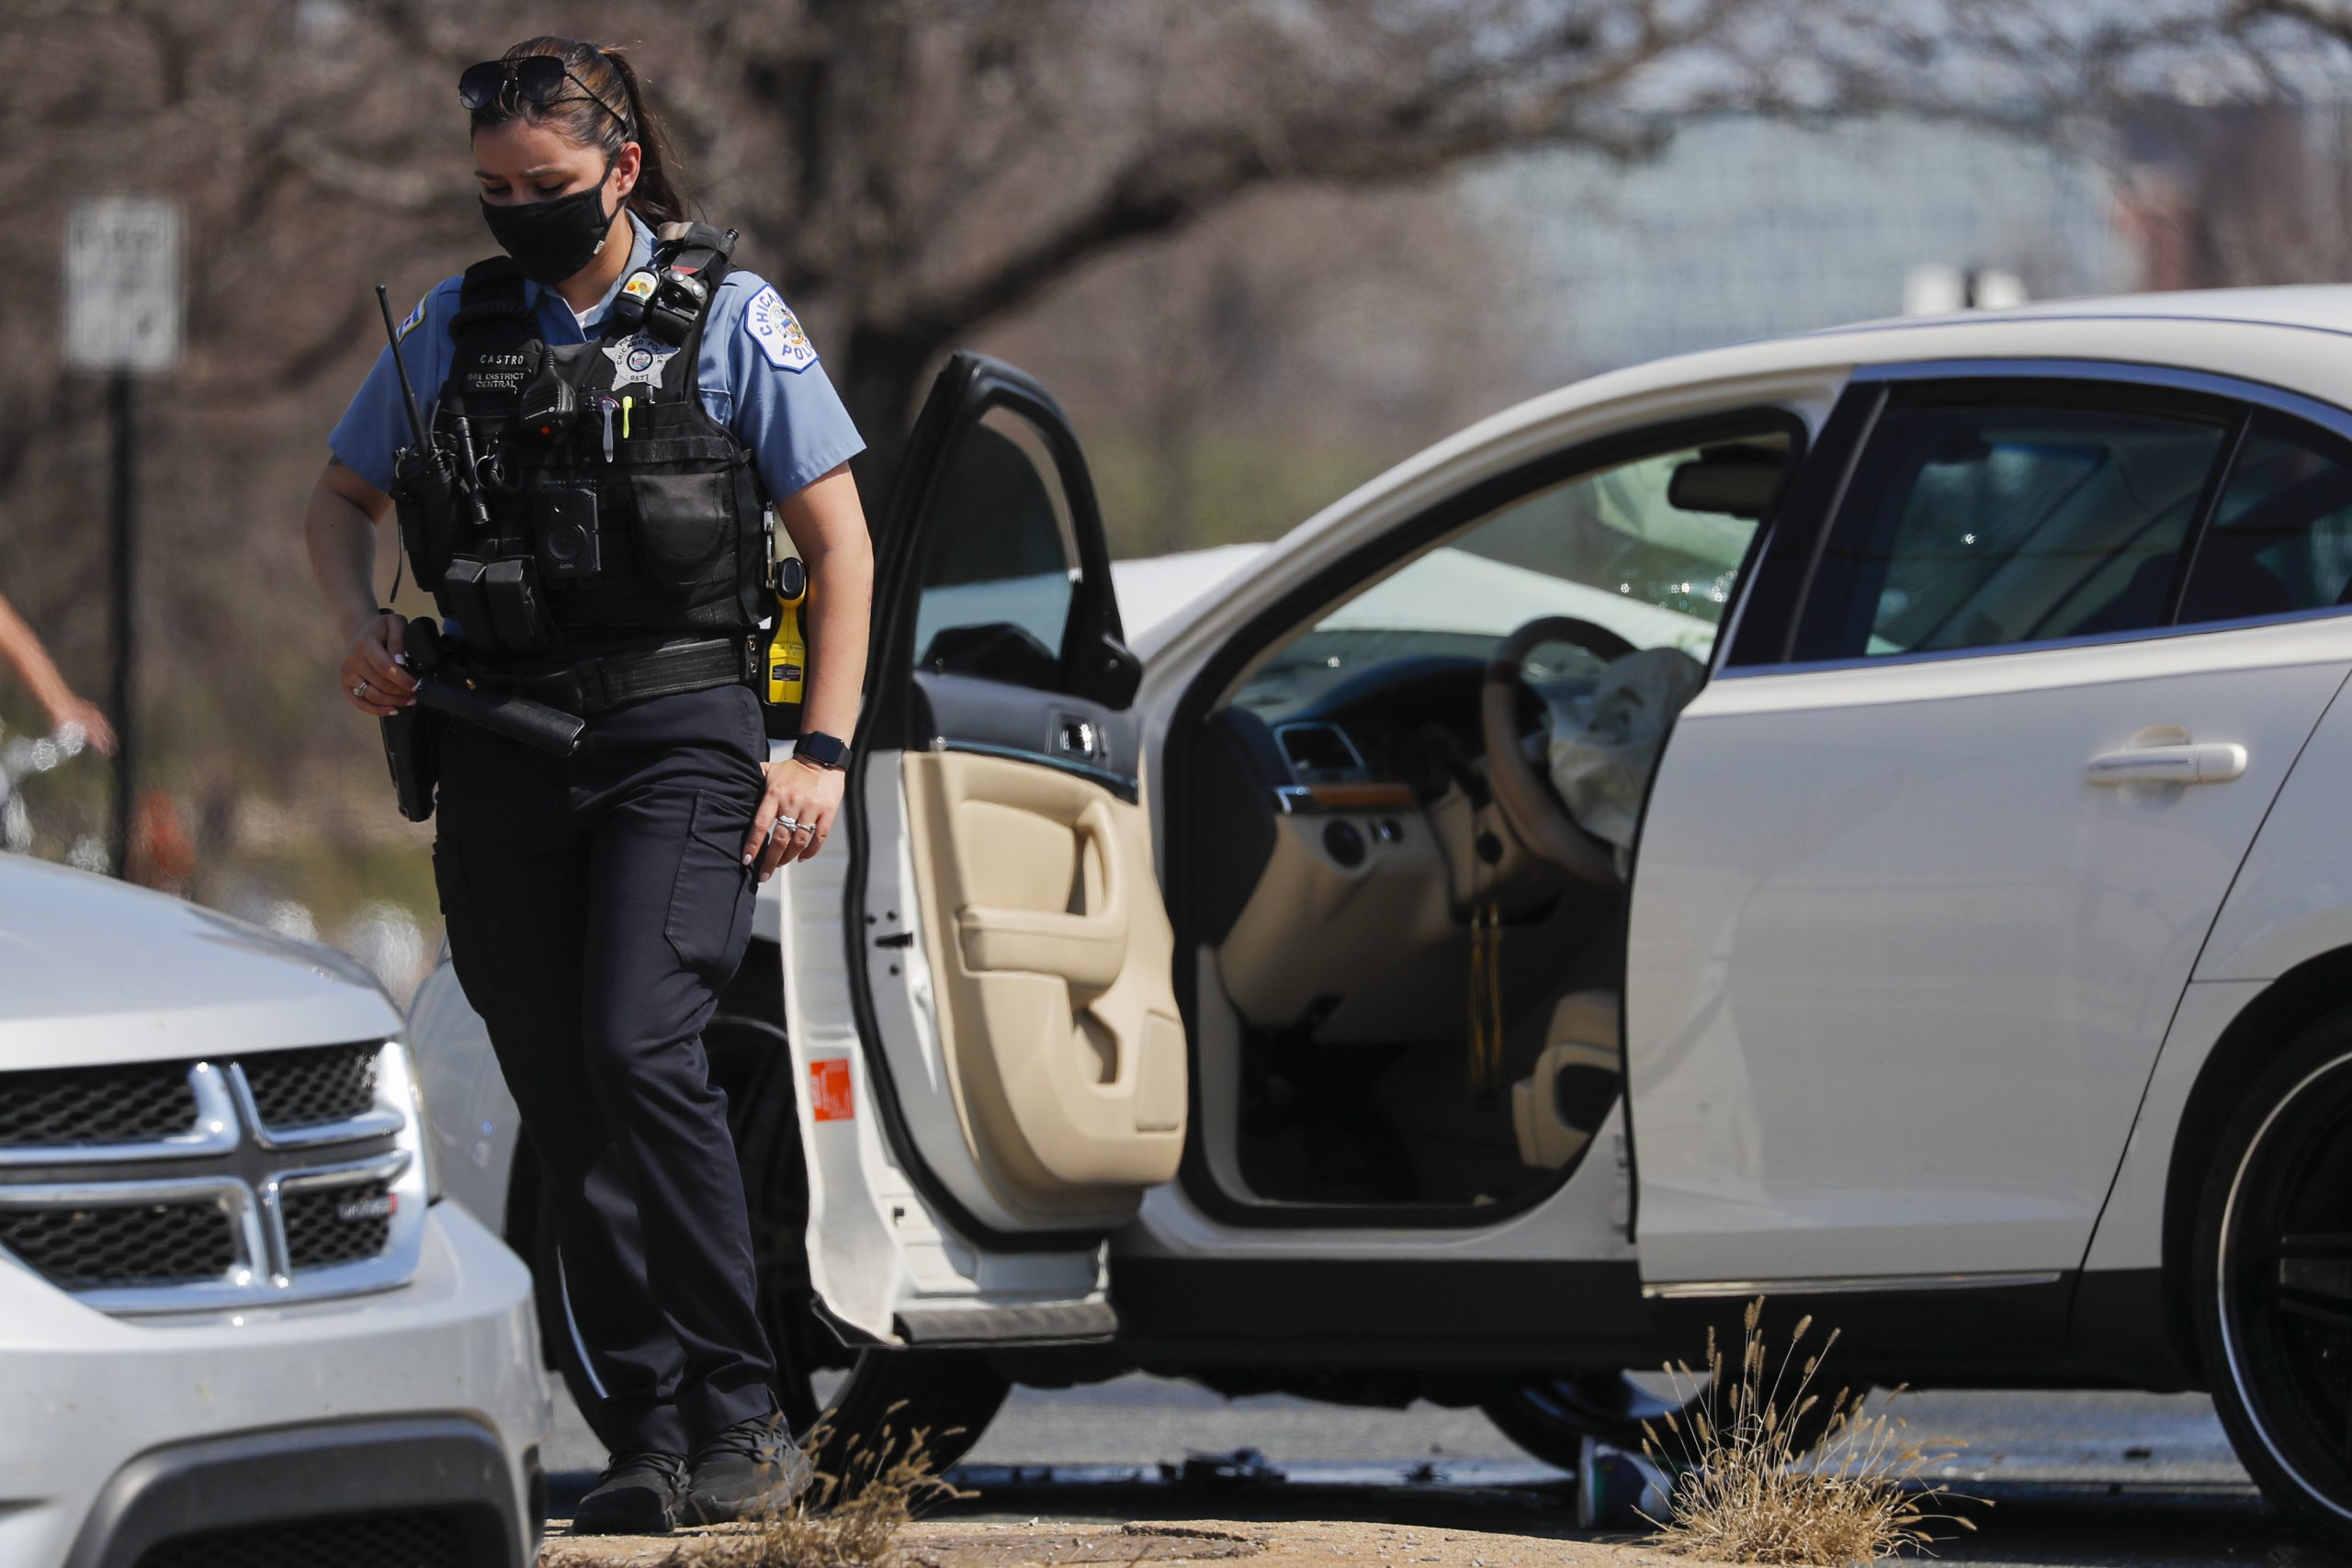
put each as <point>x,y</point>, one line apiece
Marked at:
<point>1281,1544</point>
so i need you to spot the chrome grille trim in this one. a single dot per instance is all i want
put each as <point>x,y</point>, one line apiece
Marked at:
<point>233,1287</point>
<point>408,1213</point>
<point>214,1131</point>
<point>230,1158</point>
<point>372,1123</point>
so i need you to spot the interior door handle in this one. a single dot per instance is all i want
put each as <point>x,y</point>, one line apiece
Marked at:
<point>1088,951</point>
<point>2215,762</point>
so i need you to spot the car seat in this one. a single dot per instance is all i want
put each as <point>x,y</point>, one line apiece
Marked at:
<point>1557,1108</point>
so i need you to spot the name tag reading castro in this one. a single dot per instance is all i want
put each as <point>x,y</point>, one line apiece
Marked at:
<point>778,331</point>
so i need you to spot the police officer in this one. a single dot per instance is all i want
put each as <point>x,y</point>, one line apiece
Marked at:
<point>607,555</point>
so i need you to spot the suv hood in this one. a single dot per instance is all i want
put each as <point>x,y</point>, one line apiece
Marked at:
<point>93,970</point>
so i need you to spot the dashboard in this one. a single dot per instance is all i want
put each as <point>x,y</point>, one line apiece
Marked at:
<point>1356,821</point>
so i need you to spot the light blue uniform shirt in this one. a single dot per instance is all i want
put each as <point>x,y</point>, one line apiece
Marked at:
<point>759,378</point>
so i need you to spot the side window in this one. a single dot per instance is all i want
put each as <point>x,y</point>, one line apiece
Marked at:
<point>1000,562</point>
<point>2281,537</point>
<point>1977,526</point>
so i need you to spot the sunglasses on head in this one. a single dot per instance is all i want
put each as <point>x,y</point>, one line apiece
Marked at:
<point>530,79</point>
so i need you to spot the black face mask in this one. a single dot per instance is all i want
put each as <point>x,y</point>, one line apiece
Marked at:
<point>551,240</point>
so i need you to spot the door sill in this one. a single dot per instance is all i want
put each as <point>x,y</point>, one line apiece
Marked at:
<point>1040,1323</point>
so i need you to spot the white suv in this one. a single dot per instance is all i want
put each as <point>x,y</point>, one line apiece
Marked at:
<point>1858,819</point>
<point>236,1324</point>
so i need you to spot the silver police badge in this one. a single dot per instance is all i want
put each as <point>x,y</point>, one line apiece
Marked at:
<point>638,360</point>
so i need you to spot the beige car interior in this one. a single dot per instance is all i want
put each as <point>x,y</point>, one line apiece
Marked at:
<point>1045,953</point>
<point>1405,992</point>
<point>1405,999</point>
<point>1050,949</point>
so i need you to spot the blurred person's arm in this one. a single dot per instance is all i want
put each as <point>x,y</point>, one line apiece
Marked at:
<point>339,524</point>
<point>23,652</point>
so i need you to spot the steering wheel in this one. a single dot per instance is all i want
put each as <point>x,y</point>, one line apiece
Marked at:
<point>1530,804</point>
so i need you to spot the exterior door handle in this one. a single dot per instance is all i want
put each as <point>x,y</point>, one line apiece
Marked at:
<point>2216,763</point>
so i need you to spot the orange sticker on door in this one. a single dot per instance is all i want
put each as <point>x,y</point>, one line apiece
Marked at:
<point>828,1096</point>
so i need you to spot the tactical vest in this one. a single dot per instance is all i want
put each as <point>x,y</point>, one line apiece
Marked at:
<point>604,507</point>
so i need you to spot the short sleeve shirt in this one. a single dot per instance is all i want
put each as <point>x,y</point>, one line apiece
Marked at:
<point>760,377</point>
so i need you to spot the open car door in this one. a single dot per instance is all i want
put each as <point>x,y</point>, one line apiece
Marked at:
<point>977,992</point>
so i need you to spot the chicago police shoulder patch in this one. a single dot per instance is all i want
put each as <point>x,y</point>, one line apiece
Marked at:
<point>408,323</point>
<point>777,331</point>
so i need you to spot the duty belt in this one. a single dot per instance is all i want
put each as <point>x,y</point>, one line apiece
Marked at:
<point>589,686</point>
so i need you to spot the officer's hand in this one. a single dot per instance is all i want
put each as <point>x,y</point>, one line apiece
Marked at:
<point>797,792</point>
<point>373,684</point>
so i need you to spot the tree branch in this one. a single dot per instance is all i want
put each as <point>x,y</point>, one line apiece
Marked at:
<point>1173,181</point>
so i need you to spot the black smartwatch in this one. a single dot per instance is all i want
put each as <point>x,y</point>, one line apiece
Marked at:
<point>822,749</point>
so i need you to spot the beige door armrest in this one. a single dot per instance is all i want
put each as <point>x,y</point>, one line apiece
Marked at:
<point>1089,950</point>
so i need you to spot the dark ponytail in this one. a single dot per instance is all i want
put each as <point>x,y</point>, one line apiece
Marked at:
<point>658,198</point>
<point>591,122</point>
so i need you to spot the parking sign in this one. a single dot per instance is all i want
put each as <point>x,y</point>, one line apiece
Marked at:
<point>123,285</point>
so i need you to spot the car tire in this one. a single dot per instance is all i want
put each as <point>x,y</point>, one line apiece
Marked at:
<point>1550,1420</point>
<point>2272,1283</point>
<point>887,1395</point>
<point>929,1406</point>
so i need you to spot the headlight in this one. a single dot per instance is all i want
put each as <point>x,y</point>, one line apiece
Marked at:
<point>418,1116</point>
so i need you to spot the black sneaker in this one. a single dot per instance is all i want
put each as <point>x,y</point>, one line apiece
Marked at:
<point>637,1494</point>
<point>750,1470</point>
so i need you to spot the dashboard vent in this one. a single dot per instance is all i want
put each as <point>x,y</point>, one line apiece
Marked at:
<point>1318,753</point>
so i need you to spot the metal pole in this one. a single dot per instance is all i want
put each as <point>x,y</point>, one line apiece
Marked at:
<point>125,641</point>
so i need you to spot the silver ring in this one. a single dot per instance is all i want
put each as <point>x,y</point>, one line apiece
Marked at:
<point>360,690</point>
<point>807,827</point>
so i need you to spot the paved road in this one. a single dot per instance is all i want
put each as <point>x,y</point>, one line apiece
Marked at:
<point>2073,1479</point>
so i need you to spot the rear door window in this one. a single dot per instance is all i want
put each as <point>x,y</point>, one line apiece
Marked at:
<point>2280,540</point>
<point>1987,524</point>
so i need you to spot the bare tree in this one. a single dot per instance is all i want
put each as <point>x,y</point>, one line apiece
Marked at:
<point>1230,380</point>
<point>911,172</point>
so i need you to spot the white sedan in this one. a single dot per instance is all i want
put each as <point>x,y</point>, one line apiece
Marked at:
<point>1856,818</point>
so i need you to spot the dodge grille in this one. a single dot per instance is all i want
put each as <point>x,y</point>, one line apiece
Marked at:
<point>177,1186</point>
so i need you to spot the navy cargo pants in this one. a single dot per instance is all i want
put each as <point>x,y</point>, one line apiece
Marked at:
<point>595,905</point>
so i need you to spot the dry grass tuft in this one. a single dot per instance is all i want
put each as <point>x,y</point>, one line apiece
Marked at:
<point>1747,1488</point>
<point>845,1520</point>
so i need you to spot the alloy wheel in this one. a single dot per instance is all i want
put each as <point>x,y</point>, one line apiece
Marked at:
<point>2280,1297</point>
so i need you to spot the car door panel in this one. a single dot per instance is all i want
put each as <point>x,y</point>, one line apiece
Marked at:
<point>965,714</point>
<point>1049,956</point>
<point>1894,998</point>
<point>881,1259</point>
<point>998,1073</point>
<point>1890,1008</point>
<point>2287,904</point>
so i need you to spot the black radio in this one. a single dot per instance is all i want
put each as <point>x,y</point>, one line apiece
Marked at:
<point>549,405</point>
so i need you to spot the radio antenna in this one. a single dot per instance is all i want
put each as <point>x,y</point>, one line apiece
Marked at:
<point>408,392</point>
